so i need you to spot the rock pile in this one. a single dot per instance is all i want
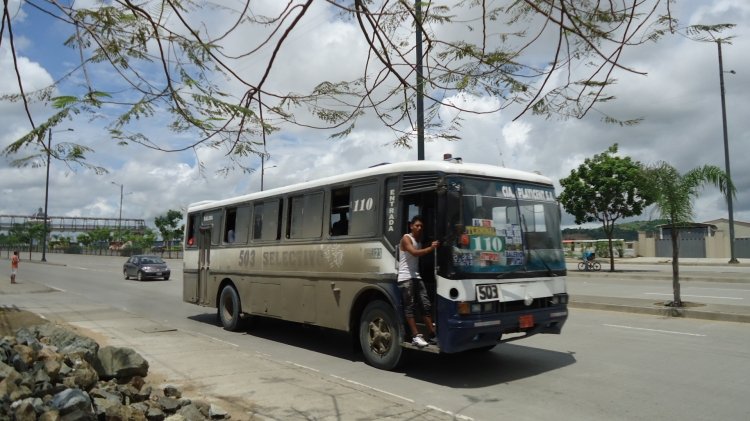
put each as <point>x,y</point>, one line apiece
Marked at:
<point>50,373</point>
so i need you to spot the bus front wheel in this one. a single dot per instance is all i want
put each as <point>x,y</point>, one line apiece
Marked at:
<point>230,309</point>
<point>380,336</point>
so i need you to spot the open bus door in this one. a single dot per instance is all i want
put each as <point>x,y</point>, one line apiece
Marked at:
<point>204,263</point>
<point>424,204</point>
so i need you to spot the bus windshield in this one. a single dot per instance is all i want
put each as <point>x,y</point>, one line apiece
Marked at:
<point>504,227</point>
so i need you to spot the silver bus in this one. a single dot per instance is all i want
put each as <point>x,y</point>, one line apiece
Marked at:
<point>324,253</point>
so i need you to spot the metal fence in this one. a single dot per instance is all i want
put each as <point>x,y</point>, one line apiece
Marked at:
<point>696,247</point>
<point>689,246</point>
<point>742,247</point>
<point>6,251</point>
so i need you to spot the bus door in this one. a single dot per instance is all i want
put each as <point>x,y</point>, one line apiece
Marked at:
<point>204,263</point>
<point>425,205</point>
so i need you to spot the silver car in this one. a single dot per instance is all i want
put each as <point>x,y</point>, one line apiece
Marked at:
<point>144,267</point>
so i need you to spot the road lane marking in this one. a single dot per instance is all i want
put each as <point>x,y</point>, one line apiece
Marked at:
<point>372,388</point>
<point>719,289</point>
<point>214,338</point>
<point>303,366</point>
<point>696,296</point>
<point>655,330</point>
<point>455,416</point>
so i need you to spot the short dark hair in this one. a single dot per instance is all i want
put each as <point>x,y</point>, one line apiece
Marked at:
<point>416,218</point>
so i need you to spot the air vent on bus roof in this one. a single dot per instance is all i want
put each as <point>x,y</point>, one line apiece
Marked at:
<point>417,182</point>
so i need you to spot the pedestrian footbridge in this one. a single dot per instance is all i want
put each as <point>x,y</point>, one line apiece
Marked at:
<point>73,223</point>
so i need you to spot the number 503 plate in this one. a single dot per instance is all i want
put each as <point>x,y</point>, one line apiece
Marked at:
<point>488,292</point>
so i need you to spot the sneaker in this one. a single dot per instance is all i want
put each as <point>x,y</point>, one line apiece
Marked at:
<point>433,340</point>
<point>419,341</point>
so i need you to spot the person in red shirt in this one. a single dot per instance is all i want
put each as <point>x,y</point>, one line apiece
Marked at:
<point>14,266</point>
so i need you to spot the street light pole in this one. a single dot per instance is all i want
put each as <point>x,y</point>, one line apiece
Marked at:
<point>262,169</point>
<point>119,218</point>
<point>733,256</point>
<point>46,195</point>
<point>420,82</point>
<point>46,198</point>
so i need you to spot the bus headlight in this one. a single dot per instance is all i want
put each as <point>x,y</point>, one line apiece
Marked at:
<point>559,299</point>
<point>465,308</point>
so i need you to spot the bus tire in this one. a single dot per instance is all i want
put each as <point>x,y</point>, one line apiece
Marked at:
<point>380,336</point>
<point>230,309</point>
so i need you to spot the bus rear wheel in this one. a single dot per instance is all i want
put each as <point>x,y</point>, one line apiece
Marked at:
<point>380,336</point>
<point>230,309</point>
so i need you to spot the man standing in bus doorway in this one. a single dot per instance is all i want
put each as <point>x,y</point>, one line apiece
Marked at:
<point>14,266</point>
<point>410,282</point>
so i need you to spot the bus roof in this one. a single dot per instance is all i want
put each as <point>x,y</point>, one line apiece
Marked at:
<point>447,167</point>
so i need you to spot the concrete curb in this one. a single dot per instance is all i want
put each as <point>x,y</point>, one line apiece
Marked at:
<point>684,261</point>
<point>686,277</point>
<point>725,314</point>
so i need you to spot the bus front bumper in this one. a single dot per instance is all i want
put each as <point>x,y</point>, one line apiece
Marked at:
<point>463,333</point>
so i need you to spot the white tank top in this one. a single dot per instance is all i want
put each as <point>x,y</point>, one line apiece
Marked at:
<point>408,264</point>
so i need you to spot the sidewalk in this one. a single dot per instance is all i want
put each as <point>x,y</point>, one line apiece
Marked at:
<point>248,384</point>
<point>719,312</point>
<point>687,261</point>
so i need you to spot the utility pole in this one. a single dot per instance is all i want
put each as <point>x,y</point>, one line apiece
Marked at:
<point>733,256</point>
<point>46,198</point>
<point>420,83</point>
<point>119,218</point>
<point>46,194</point>
<point>262,168</point>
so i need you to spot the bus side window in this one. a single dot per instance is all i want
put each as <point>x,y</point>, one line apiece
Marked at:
<point>267,222</point>
<point>257,221</point>
<point>230,222</point>
<point>237,224</point>
<point>339,217</point>
<point>192,230</point>
<point>213,218</point>
<point>364,209</point>
<point>305,216</point>
<point>242,224</point>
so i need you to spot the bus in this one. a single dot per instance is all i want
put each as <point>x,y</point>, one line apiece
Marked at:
<point>325,253</point>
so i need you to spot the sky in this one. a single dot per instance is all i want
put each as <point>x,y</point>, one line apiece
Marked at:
<point>678,98</point>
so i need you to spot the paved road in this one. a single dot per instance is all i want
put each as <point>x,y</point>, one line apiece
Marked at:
<point>605,365</point>
<point>712,289</point>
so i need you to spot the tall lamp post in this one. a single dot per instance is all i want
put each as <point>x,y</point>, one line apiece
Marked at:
<point>119,218</point>
<point>46,193</point>
<point>733,256</point>
<point>263,170</point>
<point>420,82</point>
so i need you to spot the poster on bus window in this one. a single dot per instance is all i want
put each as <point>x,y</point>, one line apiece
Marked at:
<point>485,247</point>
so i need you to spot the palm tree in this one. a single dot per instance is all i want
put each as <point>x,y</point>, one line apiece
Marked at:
<point>674,199</point>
